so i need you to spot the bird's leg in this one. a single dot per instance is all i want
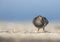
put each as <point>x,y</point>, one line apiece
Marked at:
<point>38,29</point>
<point>43,29</point>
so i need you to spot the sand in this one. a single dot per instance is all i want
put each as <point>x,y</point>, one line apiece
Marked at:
<point>27,32</point>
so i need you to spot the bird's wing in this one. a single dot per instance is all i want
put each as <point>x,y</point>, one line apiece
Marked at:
<point>45,21</point>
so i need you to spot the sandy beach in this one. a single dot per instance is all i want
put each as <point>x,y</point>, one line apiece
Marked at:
<point>27,32</point>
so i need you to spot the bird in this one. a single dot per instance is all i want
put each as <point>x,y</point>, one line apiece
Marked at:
<point>40,22</point>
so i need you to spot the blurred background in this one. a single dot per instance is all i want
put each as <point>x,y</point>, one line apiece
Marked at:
<point>23,11</point>
<point>26,10</point>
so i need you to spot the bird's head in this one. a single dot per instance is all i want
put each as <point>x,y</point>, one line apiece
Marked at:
<point>39,18</point>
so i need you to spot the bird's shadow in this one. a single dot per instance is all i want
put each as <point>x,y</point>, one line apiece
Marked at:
<point>44,32</point>
<point>39,32</point>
